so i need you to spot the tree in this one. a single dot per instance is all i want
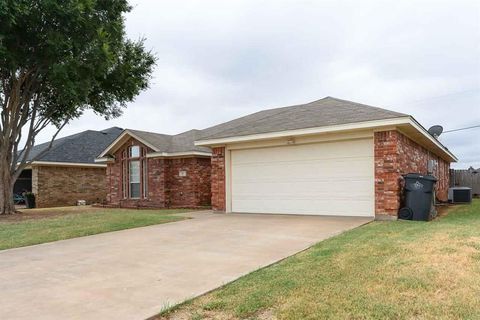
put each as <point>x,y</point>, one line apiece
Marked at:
<point>58,59</point>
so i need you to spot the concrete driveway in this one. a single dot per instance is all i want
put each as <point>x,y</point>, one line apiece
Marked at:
<point>133,274</point>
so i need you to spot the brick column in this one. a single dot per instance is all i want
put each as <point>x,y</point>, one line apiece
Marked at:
<point>218,179</point>
<point>387,173</point>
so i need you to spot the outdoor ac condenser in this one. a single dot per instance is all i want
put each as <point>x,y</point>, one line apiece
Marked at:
<point>460,195</point>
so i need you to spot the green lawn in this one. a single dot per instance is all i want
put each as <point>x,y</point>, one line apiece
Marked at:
<point>45,225</point>
<point>383,270</point>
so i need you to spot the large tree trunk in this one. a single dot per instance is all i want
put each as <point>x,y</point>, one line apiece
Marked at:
<point>6,190</point>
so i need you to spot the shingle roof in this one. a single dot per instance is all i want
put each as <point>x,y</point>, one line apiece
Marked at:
<point>82,147</point>
<point>182,142</point>
<point>324,112</point>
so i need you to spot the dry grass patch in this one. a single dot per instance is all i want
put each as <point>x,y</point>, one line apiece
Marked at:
<point>42,213</point>
<point>383,270</point>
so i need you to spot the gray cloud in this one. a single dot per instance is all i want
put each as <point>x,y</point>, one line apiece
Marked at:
<point>222,59</point>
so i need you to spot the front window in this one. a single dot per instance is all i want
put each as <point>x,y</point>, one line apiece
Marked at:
<point>134,172</point>
<point>134,179</point>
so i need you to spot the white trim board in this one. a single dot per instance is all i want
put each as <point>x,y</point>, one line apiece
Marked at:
<point>178,154</point>
<point>104,160</point>
<point>68,164</point>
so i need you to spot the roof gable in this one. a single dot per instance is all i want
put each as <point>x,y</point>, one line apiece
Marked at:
<point>160,143</point>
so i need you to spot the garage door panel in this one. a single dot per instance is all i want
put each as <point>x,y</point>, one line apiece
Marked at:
<point>314,169</point>
<point>298,206</point>
<point>313,188</point>
<point>336,150</point>
<point>326,178</point>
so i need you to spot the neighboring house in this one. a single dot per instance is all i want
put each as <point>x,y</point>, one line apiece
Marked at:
<point>67,172</point>
<point>146,169</point>
<point>327,157</point>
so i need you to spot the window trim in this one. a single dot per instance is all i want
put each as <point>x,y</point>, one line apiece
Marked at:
<point>145,178</point>
<point>126,160</point>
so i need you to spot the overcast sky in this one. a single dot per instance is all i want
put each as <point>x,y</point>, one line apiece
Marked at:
<point>218,60</point>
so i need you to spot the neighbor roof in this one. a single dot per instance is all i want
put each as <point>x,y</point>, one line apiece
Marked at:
<point>82,147</point>
<point>324,112</point>
<point>162,143</point>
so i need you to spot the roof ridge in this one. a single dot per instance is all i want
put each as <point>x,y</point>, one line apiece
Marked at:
<point>280,109</point>
<point>149,132</point>
<point>248,115</point>
<point>191,130</point>
<point>110,128</point>
<point>360,104</point>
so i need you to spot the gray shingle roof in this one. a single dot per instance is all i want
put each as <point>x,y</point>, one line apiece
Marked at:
<point>324,112</point>
<point>182,142</point>
<point>82,147</point>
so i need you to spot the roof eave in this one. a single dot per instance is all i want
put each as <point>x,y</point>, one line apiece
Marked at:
<point>433,140</point>
<point>374,124</point>
<point>301,132</point>
<point>178,154</point>
<point>67,164</point>
<point>106,159</point>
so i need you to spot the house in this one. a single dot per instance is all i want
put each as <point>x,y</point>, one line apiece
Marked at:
<point>67,172</point>
<point>327,157</point>
<point>146,169</point>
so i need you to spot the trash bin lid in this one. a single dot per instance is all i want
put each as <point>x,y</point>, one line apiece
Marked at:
<point>419,176</point>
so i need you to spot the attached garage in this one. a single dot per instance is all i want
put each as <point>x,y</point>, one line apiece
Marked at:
<point>328,157</point>
<point>327,178</point>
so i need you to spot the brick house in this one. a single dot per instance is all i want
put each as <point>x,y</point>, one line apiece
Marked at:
<point>146,169</point>
<point>327,157</point>
<point>67,172</point>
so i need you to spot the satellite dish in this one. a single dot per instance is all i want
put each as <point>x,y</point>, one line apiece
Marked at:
<point>435,131</point>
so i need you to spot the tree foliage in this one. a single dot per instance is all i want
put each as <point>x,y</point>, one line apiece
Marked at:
<point>58,59</point>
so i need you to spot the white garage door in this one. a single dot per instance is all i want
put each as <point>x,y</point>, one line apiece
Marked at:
<point>332,178</point>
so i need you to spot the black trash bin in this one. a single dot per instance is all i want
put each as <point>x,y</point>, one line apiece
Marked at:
<point>418,196</point>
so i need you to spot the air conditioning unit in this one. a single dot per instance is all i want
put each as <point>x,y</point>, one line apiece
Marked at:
<point>460,195</point>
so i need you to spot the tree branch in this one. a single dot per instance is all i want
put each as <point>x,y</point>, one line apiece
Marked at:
<point>24,161</point>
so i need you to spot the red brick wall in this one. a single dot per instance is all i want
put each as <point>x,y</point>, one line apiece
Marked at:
<point>396,154</point>
<point>218,179</point>
<point>157,173</point>
<point>166,188</point>
<point>193,189</point>
<point>56,186</point>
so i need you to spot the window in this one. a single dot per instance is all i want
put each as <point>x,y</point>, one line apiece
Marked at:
<point>134,151</point>
<point>134,172</point>
<point>134,179</point>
